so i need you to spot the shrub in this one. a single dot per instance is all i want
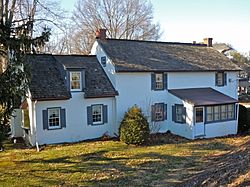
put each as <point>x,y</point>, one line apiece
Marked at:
<point>244,119</point>
<point>134,128</point>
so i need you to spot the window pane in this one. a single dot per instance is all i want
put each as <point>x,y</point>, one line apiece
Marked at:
<point>216,113</point>
<point>220,77</point>
<point>159,112</point>
<point>230,112</point>
<point>97,114</point>
<point>75,80</point>
<point>199,115</point>
<point>209,114</point>
<point>223,112</point>
<point>54,117</point>
<point>179,113</point>
<point>159,81</point>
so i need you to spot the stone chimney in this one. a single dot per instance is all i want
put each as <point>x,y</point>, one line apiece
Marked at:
<point>101,34</point>
<point>208,42</point>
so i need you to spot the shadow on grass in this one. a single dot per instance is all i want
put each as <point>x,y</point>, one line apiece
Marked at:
<point>224,169</point>
<point>213,145</point>
<point>98,169</point>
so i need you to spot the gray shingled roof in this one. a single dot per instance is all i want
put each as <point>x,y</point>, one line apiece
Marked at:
<point>48,77</point>
<point>47,80</point>
<point>202,96</point>
<point>96,80</point>
<point>132,55</point>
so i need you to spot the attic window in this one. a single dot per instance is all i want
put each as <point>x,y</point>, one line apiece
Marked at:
<point>103,61</point>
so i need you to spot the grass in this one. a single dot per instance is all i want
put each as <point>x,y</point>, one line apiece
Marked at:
<point>110,163</point>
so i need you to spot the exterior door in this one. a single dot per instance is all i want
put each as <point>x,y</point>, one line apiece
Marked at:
<point>199,126</point>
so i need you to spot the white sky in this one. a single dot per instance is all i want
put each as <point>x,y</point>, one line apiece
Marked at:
<point>225,21</point>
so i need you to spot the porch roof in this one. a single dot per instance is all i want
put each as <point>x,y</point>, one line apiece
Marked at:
<point>202,96</point>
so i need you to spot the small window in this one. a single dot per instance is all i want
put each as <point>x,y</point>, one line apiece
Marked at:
<point>103,61</point>
<point>97,114</point>
<point>75,81</point>
<point>199,115</point>
<point>54,118</point>
<point>159,81</point>
<point>220,79</point>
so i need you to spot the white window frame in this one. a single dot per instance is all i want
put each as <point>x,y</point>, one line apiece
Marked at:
<point>80,81</point>
<point>59,117</point>
<point>159,84</point>
<point>101,119</point>
<point>159,112</point>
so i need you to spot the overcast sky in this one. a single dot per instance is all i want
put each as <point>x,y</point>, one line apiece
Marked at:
<point>225,21</point>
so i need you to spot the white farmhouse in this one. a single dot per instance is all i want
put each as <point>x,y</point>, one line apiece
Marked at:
<point>188,89</point>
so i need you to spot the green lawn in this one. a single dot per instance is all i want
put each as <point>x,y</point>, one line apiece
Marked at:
<point>110,163</point>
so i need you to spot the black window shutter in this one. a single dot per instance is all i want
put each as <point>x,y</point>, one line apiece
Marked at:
<point>153,113</point>
<point>89,115</point>
<point>183,114</point>
<point>63,118</point>
<point>236,111</point>
<point>165,111</point>
<point>152,81</point>
<point>105,113</point>
<point>173,113</point>
<point>216,79</point>
<point>83,79</point>
<point>165,81</point>
<point>225,79</point>
<point>45,119</point>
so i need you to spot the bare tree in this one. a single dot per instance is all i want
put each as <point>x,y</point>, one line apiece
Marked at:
<point>123,19</point>
<point>22,31</point>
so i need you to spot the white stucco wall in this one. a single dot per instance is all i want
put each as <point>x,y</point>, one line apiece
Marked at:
<point>16,123</point>
<point>135,88</point>
<point>77,128</point>
<point>180,80</point>
<point>109,68</point>
<point>182,129</point>
<point>220,129</point>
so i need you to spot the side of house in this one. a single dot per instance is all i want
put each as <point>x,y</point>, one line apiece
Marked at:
<point>145,73</point>
<point>71,99</point>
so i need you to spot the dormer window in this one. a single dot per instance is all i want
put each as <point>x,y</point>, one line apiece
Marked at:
<point>75,81</point>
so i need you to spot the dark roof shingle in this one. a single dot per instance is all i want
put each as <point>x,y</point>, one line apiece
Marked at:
<point>202,96</point>
<point>49,82</point>
<point>96,80</point>
<point>133,55</point>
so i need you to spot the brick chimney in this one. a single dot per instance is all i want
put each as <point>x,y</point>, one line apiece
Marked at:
<point>208,42</point>
<point>101,34</point>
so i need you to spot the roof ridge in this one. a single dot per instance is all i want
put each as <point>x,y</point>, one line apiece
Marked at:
<point>148,41</point>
